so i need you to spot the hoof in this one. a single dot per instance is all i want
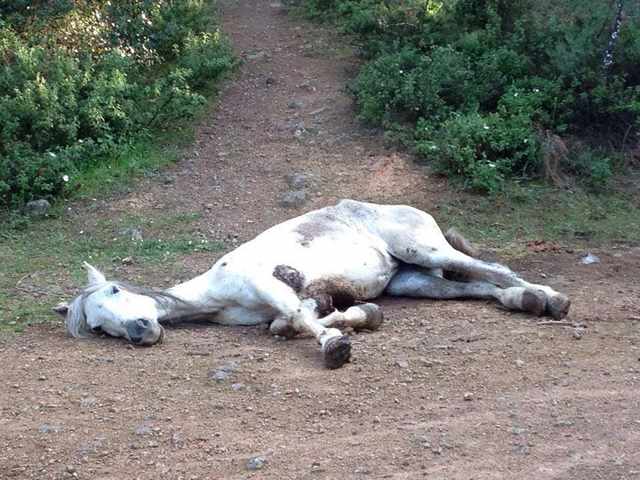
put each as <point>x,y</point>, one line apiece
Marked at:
<point>558,306</point>
<point>374,316</point>
<point>337,352</point>
<point>534,301</point>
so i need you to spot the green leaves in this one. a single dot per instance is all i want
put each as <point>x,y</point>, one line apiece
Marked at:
<point>81,78</point>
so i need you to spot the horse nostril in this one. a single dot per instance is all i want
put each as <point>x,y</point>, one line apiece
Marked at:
<point>143,322</point>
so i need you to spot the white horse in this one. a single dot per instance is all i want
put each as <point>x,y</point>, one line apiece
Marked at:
<point>311,274</point>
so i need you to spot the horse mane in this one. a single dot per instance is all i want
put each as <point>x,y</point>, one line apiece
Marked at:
<point>76,320</point>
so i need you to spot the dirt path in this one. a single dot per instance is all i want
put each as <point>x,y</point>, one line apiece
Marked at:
<point>449,390</point>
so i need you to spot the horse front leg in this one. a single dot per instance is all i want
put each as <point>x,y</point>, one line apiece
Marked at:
<point>297,316</point>
<point>366,316</point>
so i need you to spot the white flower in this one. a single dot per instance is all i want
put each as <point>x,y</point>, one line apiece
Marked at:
<point>536,90</point>
<point>65,178</point>
<point>515,94</point>
<point>486,127</point>
<point>53,155</point>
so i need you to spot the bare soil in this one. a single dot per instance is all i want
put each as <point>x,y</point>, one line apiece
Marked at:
<point>446,390</point>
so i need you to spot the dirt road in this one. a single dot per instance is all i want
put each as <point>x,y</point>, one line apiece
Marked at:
<point>445,390</point>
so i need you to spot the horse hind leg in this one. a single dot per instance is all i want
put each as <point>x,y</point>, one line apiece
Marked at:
<point>414,282</point>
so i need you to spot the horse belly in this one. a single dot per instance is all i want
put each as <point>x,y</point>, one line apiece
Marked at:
<point>355,269</point>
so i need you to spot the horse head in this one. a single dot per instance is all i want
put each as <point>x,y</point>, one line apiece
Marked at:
<point>114,308</point>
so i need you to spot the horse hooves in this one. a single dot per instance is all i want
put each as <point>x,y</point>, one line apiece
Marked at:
<point>558,306</point>
<point>534,301</point>
<point>337,352</point>
<point>374,316</point>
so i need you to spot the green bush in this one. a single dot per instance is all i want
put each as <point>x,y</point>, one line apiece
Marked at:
<point>480,83</point>
<point>78,79</point>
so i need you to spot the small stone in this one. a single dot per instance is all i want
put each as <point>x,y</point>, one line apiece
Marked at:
<point>237,386</point>
<point>257,55</point>
<point>223,372</point>
<point>220,375</point>
<point>127,261</point>
<point>307,86</point>
<point>293,199</point>
<point>133,233</point>
<point>70,469</point>
<point>168,180</point>
<point>143,430</point>
<point>589,259</point>
<point>42,378</point>
<point>177,440</point>
<point>563,423</point>
<point>256,463</point>
<point>47,428</point>
<point>88,402</point>
<point>270,81</point>
<point>295,105</point>
<point>296,181</point>
<point>37,207</point>
<point>578,333</point>
<point>519,363</point>
<point>468,396</point>
<point>402,363</point>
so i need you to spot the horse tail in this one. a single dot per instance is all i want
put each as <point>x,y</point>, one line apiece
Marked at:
<point>457,241</point>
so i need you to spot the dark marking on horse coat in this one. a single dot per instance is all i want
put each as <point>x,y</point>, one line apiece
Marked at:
<point>318,225</point>
<point>289,276</point>
<point>341,294</point>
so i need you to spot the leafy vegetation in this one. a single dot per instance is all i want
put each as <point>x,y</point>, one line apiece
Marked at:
<point>494,90</point>
<point>85,82</point>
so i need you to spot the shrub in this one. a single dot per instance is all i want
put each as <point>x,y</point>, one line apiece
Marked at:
<point>477,80</point>
<point>77,79</point>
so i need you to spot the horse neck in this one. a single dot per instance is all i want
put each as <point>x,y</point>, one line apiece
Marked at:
<point>198,297</point>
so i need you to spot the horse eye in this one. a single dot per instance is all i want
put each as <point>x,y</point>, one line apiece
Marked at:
<point>114,290</point>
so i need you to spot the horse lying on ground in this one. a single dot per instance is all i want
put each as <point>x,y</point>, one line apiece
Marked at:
<point>312,274</point>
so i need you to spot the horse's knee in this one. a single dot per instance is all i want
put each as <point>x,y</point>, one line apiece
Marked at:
<point>282,328</point>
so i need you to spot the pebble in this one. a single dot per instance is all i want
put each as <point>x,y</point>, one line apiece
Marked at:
<point>468,396</point>
<point>589,258</point>
<point>295,104</point>
<point>293,199</point>
<point>46,428</point>
<point>519,363</point>
<point>37,207</point>
<point>143,430</point>
<point>578,333</point>
<point>297,181</point>
<point>223,372</point>
<point>256,463</point>
<point>133,233</point>
<point>402,363</point>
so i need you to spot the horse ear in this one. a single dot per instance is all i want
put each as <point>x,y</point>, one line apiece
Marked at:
<point>62,309</point>
<point>94,276</point>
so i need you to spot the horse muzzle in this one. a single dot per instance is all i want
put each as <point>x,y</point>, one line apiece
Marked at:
<point>144,332</point>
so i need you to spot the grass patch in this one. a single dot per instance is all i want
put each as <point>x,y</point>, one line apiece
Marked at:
<point>539,212</point>
<point>35,262</point>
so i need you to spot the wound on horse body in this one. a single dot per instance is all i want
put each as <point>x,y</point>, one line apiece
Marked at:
<point>290,276</point>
